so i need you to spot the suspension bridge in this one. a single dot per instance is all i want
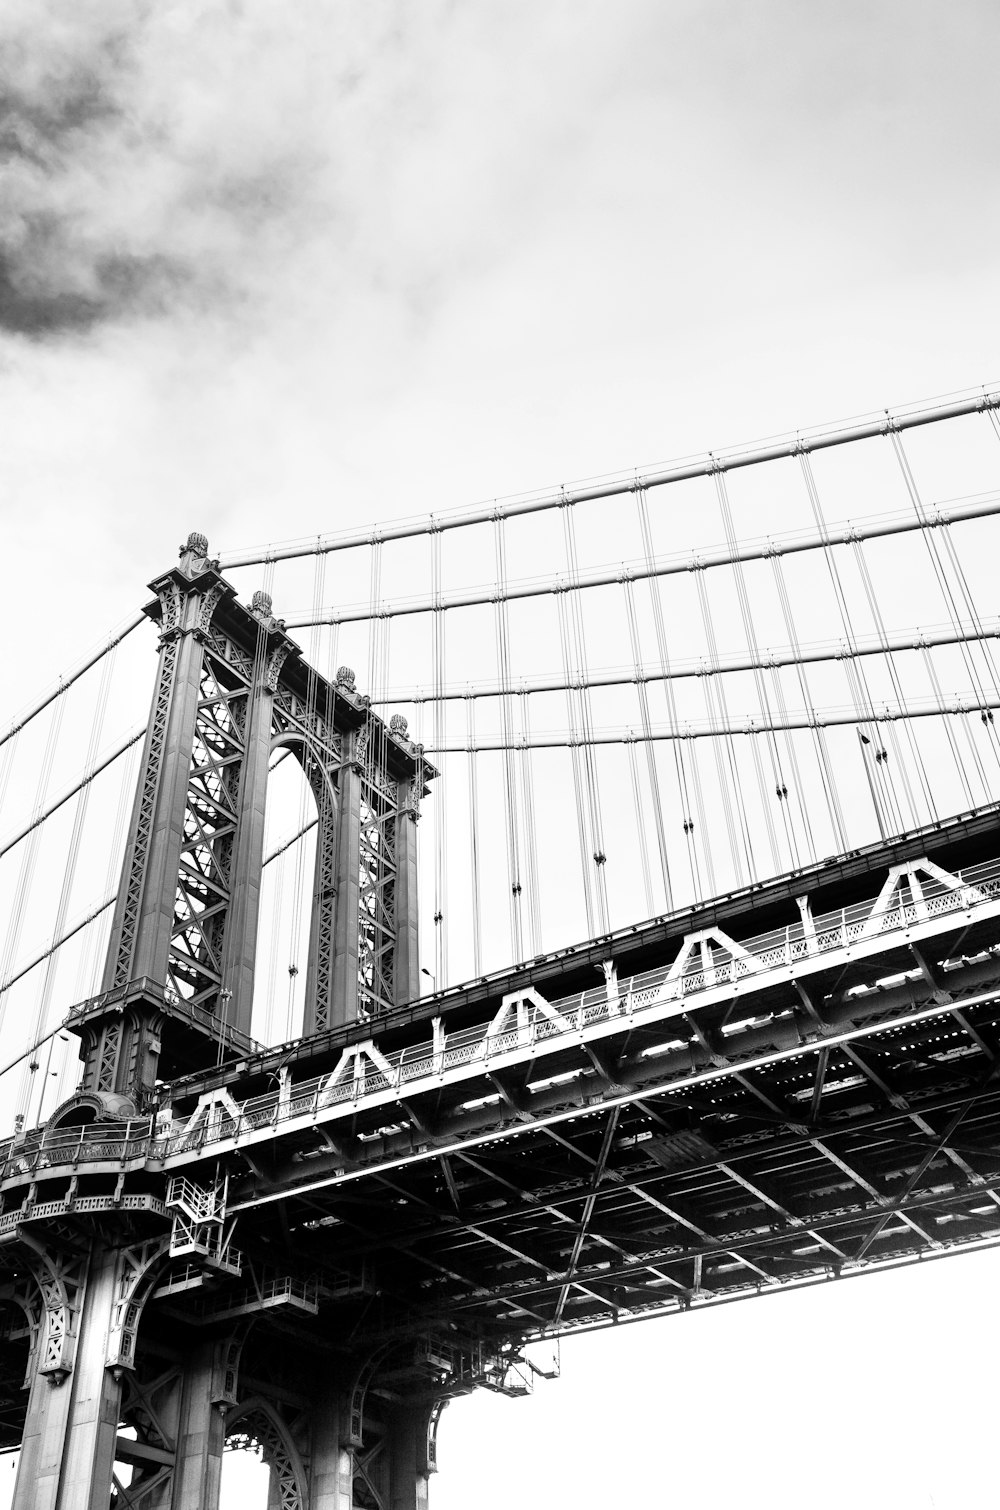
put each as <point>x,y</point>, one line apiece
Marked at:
<point>696,774</point>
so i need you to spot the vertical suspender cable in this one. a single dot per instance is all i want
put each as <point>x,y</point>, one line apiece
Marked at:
<point>530,833</point>
<point>854,666</point>
<point>277,880</point>
<point>893,670</point>
<point>983,642</point>
<point>311,778</point>
<point>699,807</point>
<point>656,603</point>
<point>574,612</point>
<point>299,861</point>
<point>680,770</point>
<point>640,828</point>
<point>946,723</point>
<point>273,943</point>
<point>650,746</point>
<point>985,649</point>
<point>718,712</point>
<point>569,675</point>
<point>502,628</point>
<point>372,761</point>
<point>826,772</point>
<point>750,633</point>
<point>438,619</point>
<point>477,923</point>
<point>947,592</point>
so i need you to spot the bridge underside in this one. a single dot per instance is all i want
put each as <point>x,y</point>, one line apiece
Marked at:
<point>581,1192</point>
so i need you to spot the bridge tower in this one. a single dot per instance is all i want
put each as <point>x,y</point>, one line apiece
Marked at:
<point>231,688</point>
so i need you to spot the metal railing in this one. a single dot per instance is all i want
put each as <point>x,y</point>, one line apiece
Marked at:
<point>567,1016</point>
<point>360,1075</point>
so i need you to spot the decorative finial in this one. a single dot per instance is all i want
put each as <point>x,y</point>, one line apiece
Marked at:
<point>197,544</point>
<point>398,725</point>
<point>345,678</point>
<point>261,603</point>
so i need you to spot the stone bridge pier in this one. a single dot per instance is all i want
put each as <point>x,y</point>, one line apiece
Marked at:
<point>129,1405</point>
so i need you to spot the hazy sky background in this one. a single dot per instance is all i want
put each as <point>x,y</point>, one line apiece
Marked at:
<point>270,270</point>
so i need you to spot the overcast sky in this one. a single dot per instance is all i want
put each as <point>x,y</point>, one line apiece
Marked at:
<point>271,269</point>
<point>266,269</point>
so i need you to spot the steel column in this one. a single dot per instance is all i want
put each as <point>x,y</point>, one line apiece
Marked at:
<point>331,1468</point>
<point>240,950</point>
<point>408,1467</point>
<point>344,1004</point>
<point>406,972</point>
<point>68,1449</point>
<point>201,1434</point>
<point>144,915</point>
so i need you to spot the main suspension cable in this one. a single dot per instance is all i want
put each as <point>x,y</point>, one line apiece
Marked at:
<point>69,875</point>
<point>65,682</point>
<point>91,771</point>
<point>756,550</point>
<point>793,655</point>
<point>112,896</point>
<point>823,718</point>
<point>29,856</point>
<point>729,459</point>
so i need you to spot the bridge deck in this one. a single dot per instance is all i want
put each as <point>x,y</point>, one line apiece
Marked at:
<point>762,1096</point>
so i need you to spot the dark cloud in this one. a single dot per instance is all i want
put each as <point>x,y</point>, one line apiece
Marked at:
<point>219,158</point>
<point>130,184</point>
<point>58,98</point>
<point>40,303</point>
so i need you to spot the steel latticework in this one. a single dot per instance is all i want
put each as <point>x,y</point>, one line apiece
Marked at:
<point>311,1247</point>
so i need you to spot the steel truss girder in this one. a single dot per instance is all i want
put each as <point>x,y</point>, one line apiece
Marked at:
<point>527,1029</point>
<point>831,1233</point>
<point>580,1092</point>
